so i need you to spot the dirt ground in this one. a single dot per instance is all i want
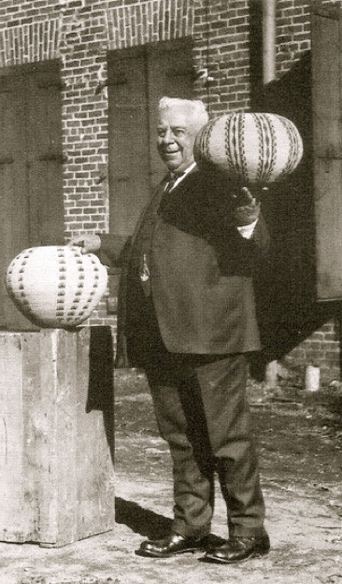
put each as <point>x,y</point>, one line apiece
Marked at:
<point>299,438</point>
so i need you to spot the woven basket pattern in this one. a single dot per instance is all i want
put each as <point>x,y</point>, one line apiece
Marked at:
<point>252,148</point>
<point>56,286</point>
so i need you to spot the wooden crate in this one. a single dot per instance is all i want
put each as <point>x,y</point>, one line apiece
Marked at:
<point>56,435</point>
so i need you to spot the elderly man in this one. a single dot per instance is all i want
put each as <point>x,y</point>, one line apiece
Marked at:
<point>187,316</point>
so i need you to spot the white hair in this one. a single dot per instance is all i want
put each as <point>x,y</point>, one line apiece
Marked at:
<point>196,107</point>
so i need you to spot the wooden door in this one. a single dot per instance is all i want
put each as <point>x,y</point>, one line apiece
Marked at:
<point>137,79</point>
<point>31,197</point>
<point>327,125</point>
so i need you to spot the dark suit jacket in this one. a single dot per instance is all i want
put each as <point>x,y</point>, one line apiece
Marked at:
<point>201,268</point>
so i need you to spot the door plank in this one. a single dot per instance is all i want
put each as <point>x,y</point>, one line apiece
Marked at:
<point>327,124</point>
<point>31,194</point>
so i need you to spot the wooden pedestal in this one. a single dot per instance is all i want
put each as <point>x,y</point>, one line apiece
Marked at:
<point>56,435</point>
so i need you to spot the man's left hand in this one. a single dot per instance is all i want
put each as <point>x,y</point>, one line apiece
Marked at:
<point>248,208</point>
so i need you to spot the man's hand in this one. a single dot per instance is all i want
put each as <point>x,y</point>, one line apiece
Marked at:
<point>88,242</point>
<point>248,208</point>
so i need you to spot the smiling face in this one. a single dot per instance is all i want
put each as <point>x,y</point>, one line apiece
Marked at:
<point>177,130</point>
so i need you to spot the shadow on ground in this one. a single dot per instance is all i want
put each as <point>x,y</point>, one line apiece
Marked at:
<point>140,520</point>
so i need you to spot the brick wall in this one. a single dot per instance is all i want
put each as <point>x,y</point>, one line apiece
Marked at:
<point>80,32</point>
<point>83,50</point>
<point>292,32</point>
<point>221,35</point>
<point>321,349</point>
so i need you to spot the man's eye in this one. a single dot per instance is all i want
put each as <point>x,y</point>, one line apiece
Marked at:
<point>179,132</point>
<point>161,133</point>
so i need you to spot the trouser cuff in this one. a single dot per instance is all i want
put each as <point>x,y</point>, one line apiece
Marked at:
<point>190,531</point>
<point>243,531</point>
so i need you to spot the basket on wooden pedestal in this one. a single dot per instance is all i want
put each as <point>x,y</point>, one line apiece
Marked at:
<point>56,286</point>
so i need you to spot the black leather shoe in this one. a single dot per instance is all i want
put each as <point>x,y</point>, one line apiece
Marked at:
<point>238,549</point>
<point>170,546</point>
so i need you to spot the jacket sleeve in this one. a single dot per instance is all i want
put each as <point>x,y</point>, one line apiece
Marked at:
<point>261,238</point>
<point>114,249</point>
<point>237,255</point>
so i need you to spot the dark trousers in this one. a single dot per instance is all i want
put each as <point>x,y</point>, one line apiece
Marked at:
<point>202,412</point>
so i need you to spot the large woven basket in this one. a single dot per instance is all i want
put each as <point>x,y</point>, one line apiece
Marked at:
<point>252,148</point>
<point>56,286</point>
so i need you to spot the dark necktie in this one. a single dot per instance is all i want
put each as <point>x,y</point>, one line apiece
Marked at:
<point>170,183</point>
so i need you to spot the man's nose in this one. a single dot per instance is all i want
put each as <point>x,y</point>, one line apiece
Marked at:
<point>168,136</point>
